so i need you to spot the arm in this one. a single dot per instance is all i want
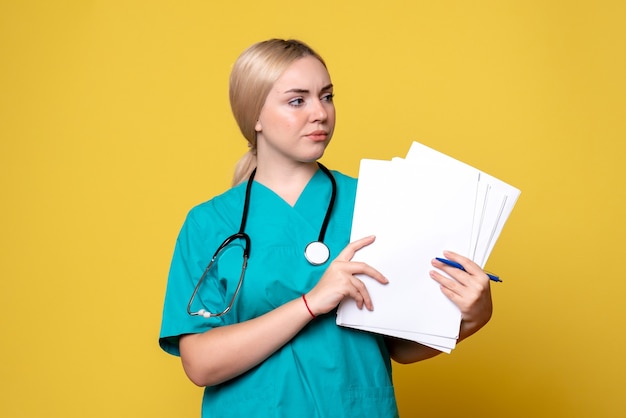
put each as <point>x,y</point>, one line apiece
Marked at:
<point>222,353</point>
<point>470,291</point>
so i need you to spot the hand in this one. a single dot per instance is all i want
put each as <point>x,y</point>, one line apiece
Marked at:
<point>470,291</point>
<point>339,281</point>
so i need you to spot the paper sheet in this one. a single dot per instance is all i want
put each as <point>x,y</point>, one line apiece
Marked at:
<point>417,207</point>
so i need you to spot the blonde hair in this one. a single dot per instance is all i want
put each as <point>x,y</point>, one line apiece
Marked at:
<point>251,79</point>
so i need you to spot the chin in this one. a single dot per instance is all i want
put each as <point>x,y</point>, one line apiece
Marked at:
<point>314,158</point>
<point>319,153</point>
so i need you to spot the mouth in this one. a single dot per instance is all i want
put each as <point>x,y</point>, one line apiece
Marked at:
<point>318,135</point>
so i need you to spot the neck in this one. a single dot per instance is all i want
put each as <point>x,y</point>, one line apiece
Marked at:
<point>286,182</point>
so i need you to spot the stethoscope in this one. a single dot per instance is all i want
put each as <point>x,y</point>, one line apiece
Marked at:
<point>316,252</point>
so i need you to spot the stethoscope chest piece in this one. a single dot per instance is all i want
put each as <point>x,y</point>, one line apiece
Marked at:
<point>317,253</point>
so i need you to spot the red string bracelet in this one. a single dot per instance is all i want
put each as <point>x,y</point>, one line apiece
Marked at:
<point>307,307</point>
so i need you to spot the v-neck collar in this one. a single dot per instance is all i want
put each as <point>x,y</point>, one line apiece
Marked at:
<point>310,207</point>
<point>313,183</point>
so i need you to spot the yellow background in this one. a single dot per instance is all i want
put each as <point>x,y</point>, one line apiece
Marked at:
<point>114,121</point>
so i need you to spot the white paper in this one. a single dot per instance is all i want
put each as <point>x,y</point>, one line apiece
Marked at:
<point>417,207</point>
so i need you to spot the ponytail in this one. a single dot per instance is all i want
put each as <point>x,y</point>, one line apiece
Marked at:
<point>244,167</point>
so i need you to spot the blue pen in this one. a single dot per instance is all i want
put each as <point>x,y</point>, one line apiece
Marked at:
<point>460,267</point>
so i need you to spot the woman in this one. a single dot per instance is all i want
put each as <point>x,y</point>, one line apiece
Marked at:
<point>274,349</point>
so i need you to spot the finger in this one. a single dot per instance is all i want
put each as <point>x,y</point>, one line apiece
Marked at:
<point>467,264</point>
<point>357,267</point>
<point>465,298</point>
<point>363,294</point>
<point>347,253</point>
<point>457,274</point>
<point>358,298</point>
<point>447,284</point>
<point>454,297</point>
<point>470,266</point>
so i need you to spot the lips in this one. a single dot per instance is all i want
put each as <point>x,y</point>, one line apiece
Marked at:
<point>318,135</point>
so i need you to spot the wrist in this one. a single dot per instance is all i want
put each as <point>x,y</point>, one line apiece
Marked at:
<point>306,304</point>
<point>469,328</point>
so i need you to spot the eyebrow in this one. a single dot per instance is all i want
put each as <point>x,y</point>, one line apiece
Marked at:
<point>305,91</point>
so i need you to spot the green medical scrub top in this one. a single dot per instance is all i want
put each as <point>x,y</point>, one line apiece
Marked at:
<point>324,371</point>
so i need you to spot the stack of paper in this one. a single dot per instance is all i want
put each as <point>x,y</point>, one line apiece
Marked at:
<point>417,207</point>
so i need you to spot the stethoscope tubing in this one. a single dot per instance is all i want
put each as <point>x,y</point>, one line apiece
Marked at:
<point>246,248</point>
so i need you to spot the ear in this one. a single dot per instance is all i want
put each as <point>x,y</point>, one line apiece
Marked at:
<point>257,126</point>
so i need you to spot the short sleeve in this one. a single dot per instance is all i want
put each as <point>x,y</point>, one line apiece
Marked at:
<point>190,259</point>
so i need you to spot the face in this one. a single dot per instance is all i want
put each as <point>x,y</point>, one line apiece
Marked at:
<point>298,118</point>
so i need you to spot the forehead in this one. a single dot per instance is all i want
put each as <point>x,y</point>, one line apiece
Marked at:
<point>304,73</point>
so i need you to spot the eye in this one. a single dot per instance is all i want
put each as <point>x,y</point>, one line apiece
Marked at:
<point>297,102</point>
<point>328,97</point>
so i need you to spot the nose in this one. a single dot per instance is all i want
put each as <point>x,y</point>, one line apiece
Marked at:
<point>319,113</point>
